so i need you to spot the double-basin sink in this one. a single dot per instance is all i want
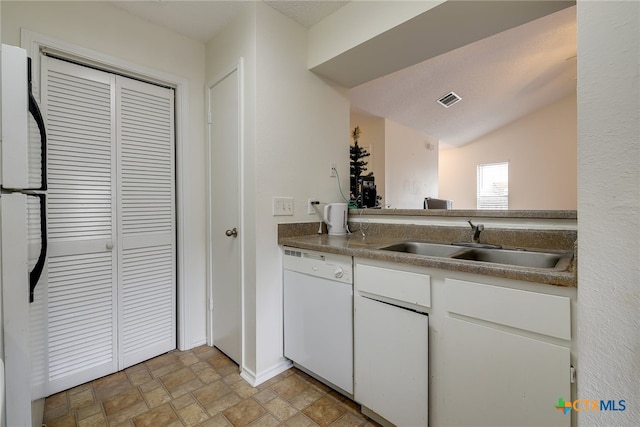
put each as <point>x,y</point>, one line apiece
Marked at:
<point>486,253</point>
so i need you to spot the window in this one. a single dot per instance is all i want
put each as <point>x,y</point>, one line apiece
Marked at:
<point>493,186</point>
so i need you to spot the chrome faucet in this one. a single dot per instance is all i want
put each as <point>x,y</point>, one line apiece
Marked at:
<point>477,229</point>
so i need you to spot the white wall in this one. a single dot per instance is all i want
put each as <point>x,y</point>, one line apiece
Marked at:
<point>411,162</point>
<point>609,208</point>
<point>108,30</point>
<point>404,161</point>
<point>296,139</point>
<point>541,151</point>
<point>346,28</point>
<point>295,125</point>
<point>372,138</point>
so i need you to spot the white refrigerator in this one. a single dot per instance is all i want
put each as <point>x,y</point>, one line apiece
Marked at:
<point>23,243</point>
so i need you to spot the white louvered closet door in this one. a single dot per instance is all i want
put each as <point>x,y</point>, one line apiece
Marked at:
<point>79,107</point>
<point>147,255</point>
<point>111,264</point>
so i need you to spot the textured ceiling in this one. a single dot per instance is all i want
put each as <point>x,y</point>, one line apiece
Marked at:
<point>500,79</point>
<point>306,13</point>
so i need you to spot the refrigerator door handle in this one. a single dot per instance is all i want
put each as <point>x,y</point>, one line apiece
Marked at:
<point>34,275</point>
<point>37,115</point>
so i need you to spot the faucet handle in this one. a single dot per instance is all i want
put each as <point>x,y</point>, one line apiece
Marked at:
<point>479,227</point>
<point>476,231</point>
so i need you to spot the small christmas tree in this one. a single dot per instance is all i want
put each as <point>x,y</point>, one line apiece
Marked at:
<point>357,153</point>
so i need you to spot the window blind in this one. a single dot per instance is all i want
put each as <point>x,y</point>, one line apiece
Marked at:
<point>493,186</point>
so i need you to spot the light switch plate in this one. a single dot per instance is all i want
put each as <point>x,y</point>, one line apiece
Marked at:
<point>282,206</point>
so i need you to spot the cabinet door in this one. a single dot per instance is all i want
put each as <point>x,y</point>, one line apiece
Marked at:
<point>497,378</point>
<point>391,361</point>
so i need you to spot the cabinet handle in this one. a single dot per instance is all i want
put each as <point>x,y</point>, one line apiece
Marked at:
<point>231,233</point>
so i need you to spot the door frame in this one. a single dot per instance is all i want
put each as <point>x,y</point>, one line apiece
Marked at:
<point>239,68</point>
<point>35,43</point>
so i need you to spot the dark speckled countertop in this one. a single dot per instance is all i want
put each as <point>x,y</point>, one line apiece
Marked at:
<point>304,236</point>
<point>538,214</point>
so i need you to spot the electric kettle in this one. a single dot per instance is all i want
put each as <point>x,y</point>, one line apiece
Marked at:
<point>335,216</point>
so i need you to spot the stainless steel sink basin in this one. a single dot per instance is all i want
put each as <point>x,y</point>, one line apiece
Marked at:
<point>486,253</point>
<point>520,258</point>
<point>477,245</point>
<point>425,248</point>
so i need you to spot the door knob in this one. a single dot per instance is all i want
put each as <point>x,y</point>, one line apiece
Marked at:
<point>109,246</point>
<point>231,233</point>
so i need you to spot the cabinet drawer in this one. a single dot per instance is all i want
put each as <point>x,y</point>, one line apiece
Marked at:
<point>531,311</point>
<point>397,285</point>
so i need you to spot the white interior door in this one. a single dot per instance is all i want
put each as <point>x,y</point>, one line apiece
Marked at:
<point>146,220</point>
<point>224,202</point>
<point>111,265</point>
<point>82,275</point>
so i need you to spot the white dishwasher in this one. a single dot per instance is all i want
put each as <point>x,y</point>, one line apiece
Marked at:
<point>318,315</point>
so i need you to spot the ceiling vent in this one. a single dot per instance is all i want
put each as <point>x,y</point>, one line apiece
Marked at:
<point>449,99</point>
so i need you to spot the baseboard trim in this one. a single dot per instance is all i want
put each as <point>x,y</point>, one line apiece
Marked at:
<point>199,342</point>
<point>193,344</point>
<point>256,379</point>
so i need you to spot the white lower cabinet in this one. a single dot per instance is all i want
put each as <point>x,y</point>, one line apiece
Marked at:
<point>391,361</point>
<point>391,343</point>
<point>507,356</point>
<point>443,348</point>
<point>497,378</point>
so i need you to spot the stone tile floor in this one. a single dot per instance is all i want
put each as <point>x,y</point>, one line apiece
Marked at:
<point>200,387</point>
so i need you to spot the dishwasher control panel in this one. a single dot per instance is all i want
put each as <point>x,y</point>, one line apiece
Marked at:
<point>328,266</point>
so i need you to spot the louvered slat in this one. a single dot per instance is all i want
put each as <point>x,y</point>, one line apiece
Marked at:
<point>81,293</point>
<point>146,162</point>
<point>104,311</point>
<point>38,308</point>
<point>148,295</point>
<point>79,338</point>
<point>80,138</point>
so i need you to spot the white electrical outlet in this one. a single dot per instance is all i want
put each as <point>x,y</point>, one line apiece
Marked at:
<point>282,206</point>
<point>312,208</point>
<point>332,169</point>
